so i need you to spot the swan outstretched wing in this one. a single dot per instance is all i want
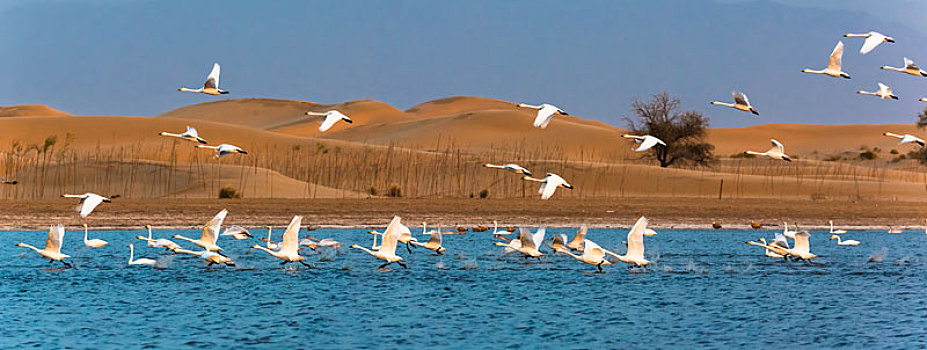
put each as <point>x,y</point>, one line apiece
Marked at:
<point>648,143</point>
<point>538,236</point>
<point>212,81</point>
<point>55,237</point>
<point>871,42</point>
<point>527,239</point>
<point>777,146</point>
<point>580,236</point>
<point>884,89</point>
<point>636,239</point>
<point>548,188</point>
<point>836,57</point>
<point>212,227</point>
<point>290,243</point>
<point>740,98</point>
<point>545,114</point>
<point>802,244</point>
<point>391,236</point>
<point>235,229</point>
<point>780,241</point>
<point>593,250</point>
<point>89,203</point>
<point>909,64</point>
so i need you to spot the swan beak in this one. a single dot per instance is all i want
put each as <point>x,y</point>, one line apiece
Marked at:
<point>349,121</point>
<point>894,97</point>
<point>564,113</point>
<point>174,236</point>
<point>786,158</point>
<point>224,92</point>
<point>890,40</point>
<point>180,89</point>
<point>242,152</point>
<point>883,67</point>
<point>107,200</point>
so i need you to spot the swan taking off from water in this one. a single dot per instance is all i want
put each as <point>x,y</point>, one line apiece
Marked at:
<point>549,184</point>
<point>237,232</point>
<point>740,103</point>
<point>314,243</point>
<point>592,255</point>
<point>140,261</point>
<point>909,68</point>
<point>189,135</point>
<point>93,243</point>
<point>802,248</point>
<point>511,167</point>
<point>835,232</point>
<point>545,113</point>
<point>88,201</point>
<point>906,138</point>
<point>434,243</point>
<point>851,242</point>
<point>331,117</point>
<point>776,152</point>
<point>833,66</point>
<point>774,250</point>
<point>883,93</point>
<point>211,86</point>
<point>210,233</point>
<point>289,249</point>
<point>224,149</point>
<point>158,243</point>
<point>646,141</point>
<point>558,241</point>
<point>635,253</point>
<point>578,240</point>
<point>211,257</point>
<point>786,232</point>
<point>387,251</point>
<point>873,39</point>
<point>52,250</point>
<point>528,243</point>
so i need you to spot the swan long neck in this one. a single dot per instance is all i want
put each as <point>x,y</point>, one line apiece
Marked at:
<point>85,233</point>
<point>529,106</point>
<point>30,247</point>
<point>567,252</point>
<point>722,104</point>
<point>529,178</point>
<point>171,134</point>
<point>191,90</point>
<point>851,35</point>
<point>894,68</point>
<point>184,238</point>
<point>609,252</point>
<point>813,71</point>
<point>368,251</point>
<point>757,153</point>
<point>131,253</point>
<point>271,252</point>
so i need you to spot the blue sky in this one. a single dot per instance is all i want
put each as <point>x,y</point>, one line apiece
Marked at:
<point>588,57</point>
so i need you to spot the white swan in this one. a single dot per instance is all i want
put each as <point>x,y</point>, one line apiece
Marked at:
<point>740,103</point>
<point>405,236</point>
<point>873,39</point>
<point>802,248</point>
<point>776,152</point>
<point>224,149</point>
<point>331,117</point>
<point>545,113</point>
<point>529,243</point>
<point>577,242</point>
<point>906,138</point>
<point>883,93</point>
<point>786,232</point>
<point>210,233</point>
<point>635,253</point>
<point>212,258</point>
<point>189,135</point>
<point>289,249</point>
<point>894,230</point>
<point>271,244</point>
<point>93,243</point>
<point>646,141</point>
<point>769,248</point>
<point>833,66</point>
<point>52,250</point>
<point>495,229</point>
<point>851,242</point>
<point>140,261</point>
<point>558,241</point>
<point>237,232</point>
<point>387,250</point>
<point>434,242</point>
<point>211,86</point>
<point>158,243</point>
<point>512,168</point>
<point>833,231</point>
<point>909,68</point>
<point>592,255</point>
<point>549,184</point>
<point>88,202</point>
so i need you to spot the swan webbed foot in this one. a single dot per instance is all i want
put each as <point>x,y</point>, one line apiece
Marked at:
<point>307,265</point>
<point>403,265</point>
<point>383,266</point>
<point>284,262</point>
<point>409,248</point>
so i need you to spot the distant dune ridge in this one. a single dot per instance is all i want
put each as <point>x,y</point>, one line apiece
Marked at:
<point>432,150</point>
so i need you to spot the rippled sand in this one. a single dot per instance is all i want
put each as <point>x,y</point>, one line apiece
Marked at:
<point>706,289</point>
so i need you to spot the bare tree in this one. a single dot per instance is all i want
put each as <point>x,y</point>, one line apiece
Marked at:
<point>922,119</point>
<point>683,131</point>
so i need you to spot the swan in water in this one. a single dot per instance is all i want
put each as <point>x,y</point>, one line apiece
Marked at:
<point>833,231</point>
<point>189,135</point>
<point>894,230</point>
<point>331,117</point>
<point>786,232</point>
<point>909,68</point>
<point>578,239</point>
<point>851,242</point>
<point>270,243</point>
<point>545,113</point>
<point>237,232</point>
<point>224,149</point>
<point>88,202</point>
<point>405,236</point>
<point>549,184</point>
<point>511,167</point>
<point>592,255</point>
<point>158,243</point>
<point>93,243</point>
<point>557,242</point>
<point>776,152</point>
<point>212,258</point>
<point>314,243</point>
<point>883,93</point>
<point>647,142</point>
<point>529,243</point>
<point>434,243</point>
<point>210,233</point>
<point>635,253</point>
<point>140,261</point>
<point>906,138</point>
<point>289,249</point>
<point>52,250</point>
<point>873,39</point>
<point>495,230</point>
<point>833,66</point>
<point>387,251</point>
<point>740,103</point>
<point>211,86</point>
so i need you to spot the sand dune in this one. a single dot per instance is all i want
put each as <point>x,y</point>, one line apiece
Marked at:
<point>809,141</point>
<point>30,111</point>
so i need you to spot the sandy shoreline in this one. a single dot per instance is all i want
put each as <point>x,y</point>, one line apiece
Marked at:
<point>692,213</point>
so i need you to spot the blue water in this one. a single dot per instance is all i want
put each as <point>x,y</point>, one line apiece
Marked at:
<point>706,289</point>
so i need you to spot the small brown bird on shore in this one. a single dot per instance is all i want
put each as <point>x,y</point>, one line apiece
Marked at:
<point>755,225</point>
<point>716,225</point>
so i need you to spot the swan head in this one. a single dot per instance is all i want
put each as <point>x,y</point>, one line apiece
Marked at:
<point>568,186</point>
<point>889,39</point>
<point>786,158</point>
<point>355,246</point>
<point>803,71</point>
<point>180,89</point>
<point>139,237</point>
<point>20,244</point>
<point>833,237</point>
<point>884,67</point>
<point>255,246</point>
<point>845,76</point>
<point>175,236</point>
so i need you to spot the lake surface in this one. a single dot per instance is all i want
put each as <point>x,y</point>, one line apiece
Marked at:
<point>706,289</point>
